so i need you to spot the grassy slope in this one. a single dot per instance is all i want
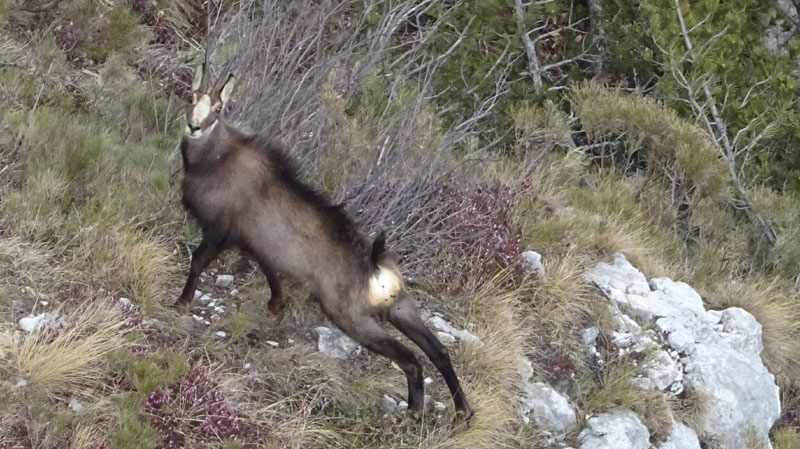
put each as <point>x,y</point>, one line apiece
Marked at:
<point>90,213</point>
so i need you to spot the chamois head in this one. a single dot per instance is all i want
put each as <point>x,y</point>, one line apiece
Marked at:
<point>207,103</point>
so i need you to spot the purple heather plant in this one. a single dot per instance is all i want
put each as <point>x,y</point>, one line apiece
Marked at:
<point>193,412</point>
<point>476,236</point>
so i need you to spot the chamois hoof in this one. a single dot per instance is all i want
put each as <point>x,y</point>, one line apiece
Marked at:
<point>181,304</point>
<point>463,419</point>
<point>276,308</point>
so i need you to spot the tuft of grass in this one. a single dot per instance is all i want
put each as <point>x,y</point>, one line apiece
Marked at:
<point>614,389</point>
<point>101,29</point>
<point>690,408</point>
<point>241,322</point>
<point>490,370</point>
<point>559,305</point>
<point>31,265</point>
<point>785,438</point>
<point>62,360</point>
<point>135,264</point>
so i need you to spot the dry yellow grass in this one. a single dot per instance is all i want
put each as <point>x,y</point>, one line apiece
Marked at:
<point>137,265</point>
<point>62,360</point>
<point>691,409</point>
<point>490,370</point>
<point>33,265</point>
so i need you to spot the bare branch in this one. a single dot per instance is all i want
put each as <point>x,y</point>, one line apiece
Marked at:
<point>749,91</point>
<point>534,67</point>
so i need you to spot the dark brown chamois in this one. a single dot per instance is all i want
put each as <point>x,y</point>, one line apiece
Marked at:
<point>245,193</point>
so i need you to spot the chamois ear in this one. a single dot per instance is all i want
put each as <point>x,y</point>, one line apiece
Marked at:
<point>227,88</point>
<point>198,77</point>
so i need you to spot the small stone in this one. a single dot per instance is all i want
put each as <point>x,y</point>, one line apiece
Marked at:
<point>206,322</point>
<point>272,343</point>
<point>427,403</point>
<point>75,405</point>
<point>644,383</point>
<point>445,338</point>
<point>290,341</point>
<point>335,343</point>
<point>21,383</point>
<point>205,298</point>
<point>387,405</point>
<point>221,334</point>
<point>224,280</point>
<point>534,261</point>
<point>219,309</point>
<point>36,323</point>
<point>126,303</point>
<point>197,294</point>
<point>439,407</point>
<point>589,337</point>
<point>197,318</point>
<point>428,381</point>
<point>402,405</point>
<point>444,327</point>
<point>212,304</point>
<point>44,303</point>
<point>247,365</point>
<point>234,292</point>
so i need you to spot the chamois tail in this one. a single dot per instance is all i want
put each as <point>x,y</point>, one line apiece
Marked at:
<point>378,248</point>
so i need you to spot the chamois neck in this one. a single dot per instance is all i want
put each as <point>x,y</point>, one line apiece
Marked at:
<point>207,150</point>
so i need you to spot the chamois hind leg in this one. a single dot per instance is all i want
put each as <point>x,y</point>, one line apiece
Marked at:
<point>202,256</point>
<point>404,316</point>
<point>276,301</point>
<point>367,331</point>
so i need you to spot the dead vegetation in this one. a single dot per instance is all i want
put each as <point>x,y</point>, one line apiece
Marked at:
<point>89,214</point>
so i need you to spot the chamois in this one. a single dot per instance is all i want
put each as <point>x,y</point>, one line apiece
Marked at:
<point>245,192</point>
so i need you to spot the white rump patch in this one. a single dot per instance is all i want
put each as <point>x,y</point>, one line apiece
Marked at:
<point>384,286</point>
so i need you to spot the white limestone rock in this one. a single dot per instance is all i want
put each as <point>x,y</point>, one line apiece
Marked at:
<point>534,261</point>
<point>681,437</point>
<point>718,351</point>
<point>39,322</point>
<point>614,430</point>
<point>335,343</point>
<point>443,326</point>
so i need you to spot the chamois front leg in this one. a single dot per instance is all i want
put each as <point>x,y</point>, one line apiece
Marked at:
<point>202,256</point>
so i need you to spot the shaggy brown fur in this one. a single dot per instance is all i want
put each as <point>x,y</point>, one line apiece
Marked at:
<point>245,193</point>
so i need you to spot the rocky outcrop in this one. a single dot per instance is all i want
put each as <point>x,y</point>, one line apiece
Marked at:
<point>617,429</point>
<point>714,352</point>
<point>681,437</point>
